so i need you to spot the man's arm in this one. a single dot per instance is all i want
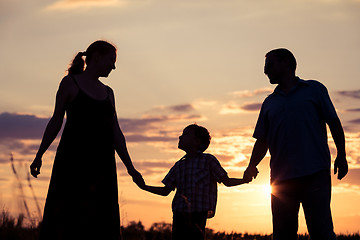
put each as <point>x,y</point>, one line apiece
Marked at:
<point>258,153</point>
<point>337,132</point>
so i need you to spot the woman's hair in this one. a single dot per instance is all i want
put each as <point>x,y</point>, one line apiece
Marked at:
<point>202,134</point>
<point>98,47</point>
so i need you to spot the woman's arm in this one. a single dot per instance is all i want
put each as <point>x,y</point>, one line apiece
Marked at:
<point>121,150</point>
<point>54,125</point>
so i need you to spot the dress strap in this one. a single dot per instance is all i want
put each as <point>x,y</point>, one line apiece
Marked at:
<point>76,83</point>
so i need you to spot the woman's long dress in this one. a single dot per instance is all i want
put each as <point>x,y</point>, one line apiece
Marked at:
<point>82,200</point>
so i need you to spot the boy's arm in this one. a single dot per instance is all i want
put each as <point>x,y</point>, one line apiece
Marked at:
<point>230,182</point>
<point>162,191</point>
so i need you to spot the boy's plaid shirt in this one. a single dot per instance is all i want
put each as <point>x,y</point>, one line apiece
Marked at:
<point>196,182</point>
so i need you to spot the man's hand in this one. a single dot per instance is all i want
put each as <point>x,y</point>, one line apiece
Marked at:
<point>250,173</point>
<point>341,166</point>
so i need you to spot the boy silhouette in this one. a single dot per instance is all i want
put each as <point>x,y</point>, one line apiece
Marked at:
<point>195,177</point>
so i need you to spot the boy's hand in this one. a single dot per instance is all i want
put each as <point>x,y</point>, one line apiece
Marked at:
<point>137,178</point>
<point>247,180</point>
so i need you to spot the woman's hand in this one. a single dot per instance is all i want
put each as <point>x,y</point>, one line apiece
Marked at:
<point>35,167</point>
<point>137,178</point>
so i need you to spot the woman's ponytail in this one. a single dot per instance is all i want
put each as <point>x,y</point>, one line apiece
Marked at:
<point>78,64</point>
<point>98,47</point>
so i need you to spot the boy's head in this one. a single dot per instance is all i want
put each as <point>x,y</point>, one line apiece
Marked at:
<point>194,136</point>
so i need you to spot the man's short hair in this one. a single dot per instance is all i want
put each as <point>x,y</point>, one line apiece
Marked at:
<point>202,134</point>
<point>284,54</point>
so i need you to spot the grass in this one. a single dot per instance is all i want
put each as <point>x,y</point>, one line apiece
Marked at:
<point>25,227</point>
<point>13,228</point>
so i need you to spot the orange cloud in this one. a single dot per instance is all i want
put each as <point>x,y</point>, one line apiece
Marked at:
<point>76,4</point>
<point>175,108</point>
<point>252,93</point>
<point>233,108</point>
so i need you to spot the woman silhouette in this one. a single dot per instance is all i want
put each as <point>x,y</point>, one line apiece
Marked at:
<point>82,200</point>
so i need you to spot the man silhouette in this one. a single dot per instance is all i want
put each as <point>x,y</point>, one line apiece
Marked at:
<point>292,125</point>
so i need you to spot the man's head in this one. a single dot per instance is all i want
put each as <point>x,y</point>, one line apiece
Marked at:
<point>194,136</point>
<point>279,63</point>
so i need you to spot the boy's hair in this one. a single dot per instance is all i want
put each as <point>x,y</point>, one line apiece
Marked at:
<point>202,134</point>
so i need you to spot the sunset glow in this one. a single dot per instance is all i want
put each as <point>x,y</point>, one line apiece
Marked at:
<point>267,189</point>
<point>179,62</point>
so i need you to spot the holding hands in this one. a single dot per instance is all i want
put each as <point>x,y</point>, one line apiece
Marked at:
<point>250,173</point>
<point>137,178</point>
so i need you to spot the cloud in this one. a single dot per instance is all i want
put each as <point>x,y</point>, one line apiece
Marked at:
<point>232,146</point>
<point>4,160</point>
<point>152,167</point>
<point>148,122</point>
<point>230,108</point>
<point>175,108</point>
<point>233,108</point>
<point>346,188</point>
<point>144,138</point>
<point>21,126</point>
<point>251,106</point>
<point>77,4</point>
<point>256,92</point>
<point>352,110</point>
<point>161,128</point>
<point>351,178</point>
<point>355,121</point>
<point>146,128</point>
<point>155,164</point>
<point>182,108</point>
<point>351,93</point>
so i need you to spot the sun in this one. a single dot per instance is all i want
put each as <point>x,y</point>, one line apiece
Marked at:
<point>267,189</point>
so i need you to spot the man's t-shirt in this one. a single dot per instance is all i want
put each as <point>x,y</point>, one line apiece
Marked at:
<point>294,126</point>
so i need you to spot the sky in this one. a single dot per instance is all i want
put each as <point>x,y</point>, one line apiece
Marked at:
<point>179,62</point>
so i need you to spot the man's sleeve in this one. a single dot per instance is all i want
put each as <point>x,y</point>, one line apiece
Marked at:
<point>261,127</point>
<point>327,108</point>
